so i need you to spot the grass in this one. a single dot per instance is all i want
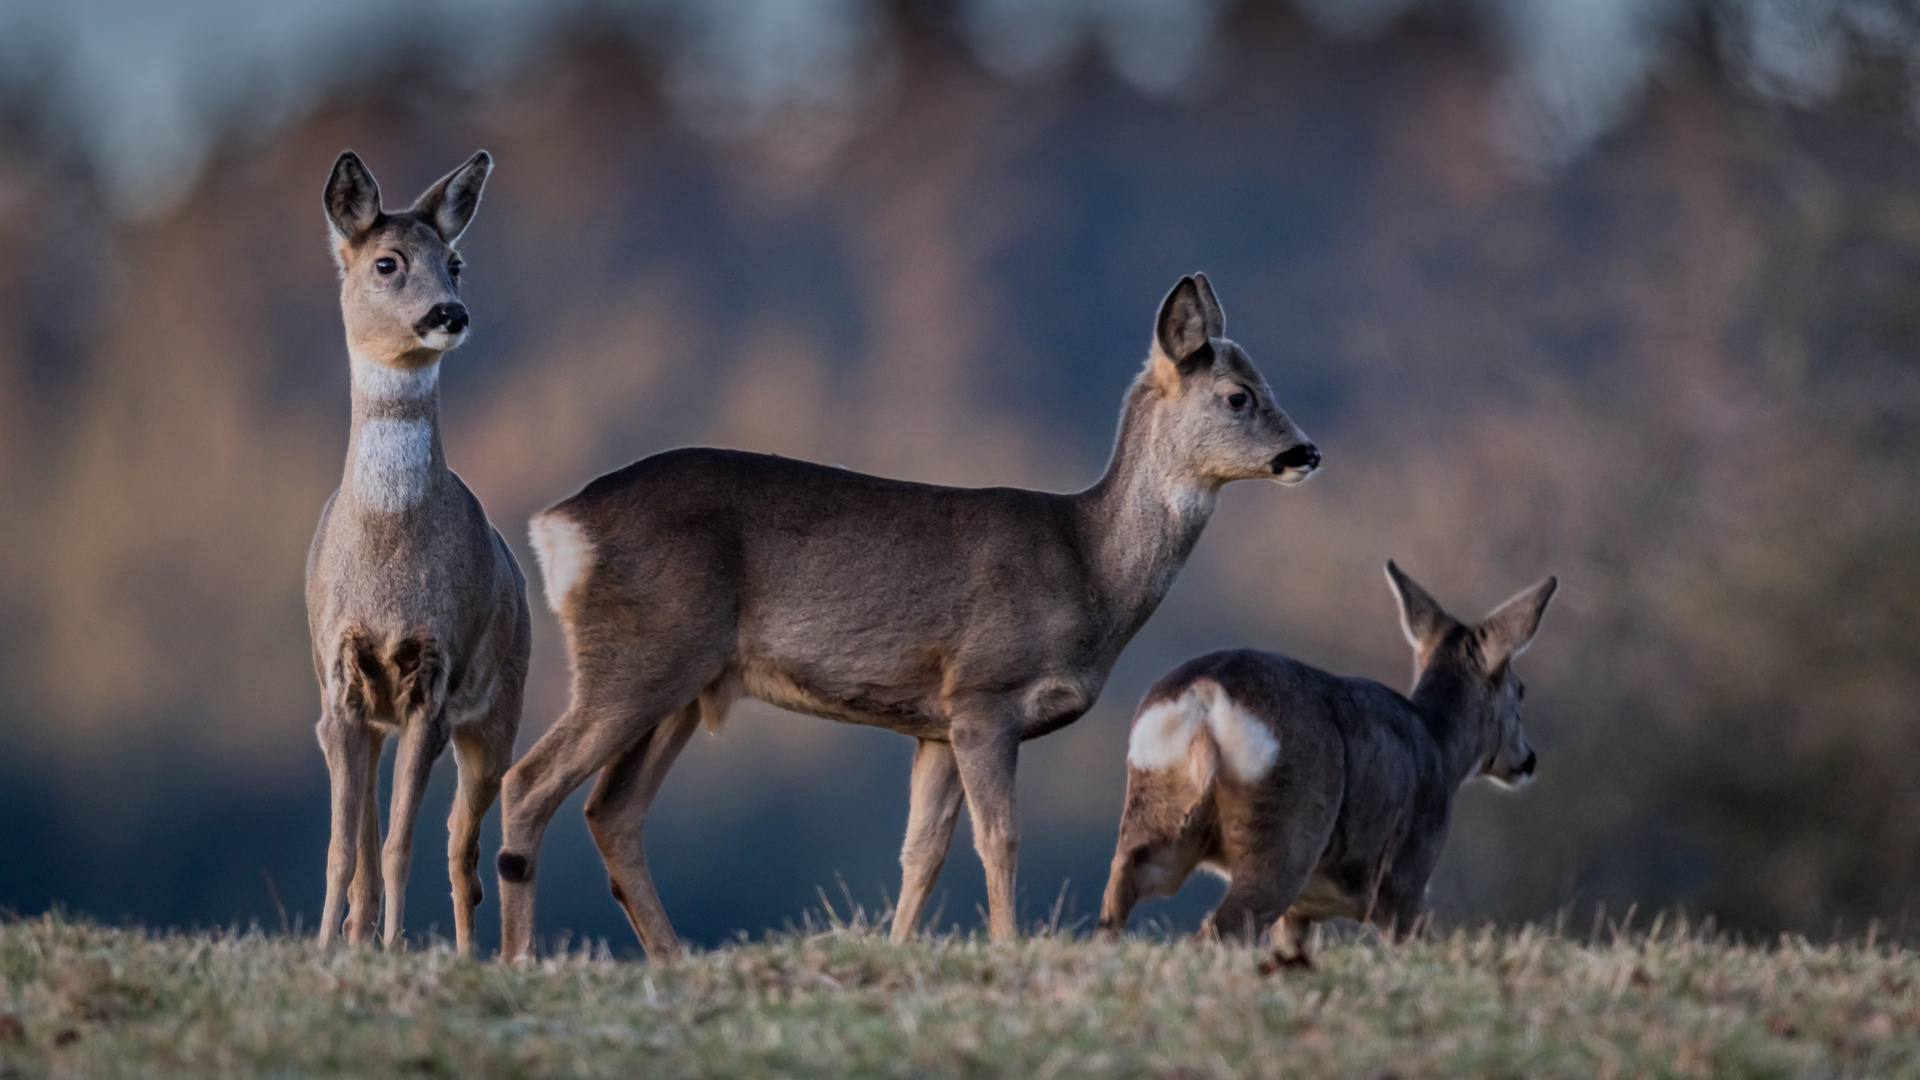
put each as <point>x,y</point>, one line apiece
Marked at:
<point>83,1000</point>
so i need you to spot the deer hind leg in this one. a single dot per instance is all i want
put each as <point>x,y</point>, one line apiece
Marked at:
<point>617,817</point>
<point>934,809</point>
<point>987,756</point>
<point>1273,833</point>
<point>482,751</point>
<point>1167,827</point>
<point>420,694</point>
<point>604,723</point>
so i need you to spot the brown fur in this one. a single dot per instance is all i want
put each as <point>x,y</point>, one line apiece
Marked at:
<point>417,609</point>
<point>1350,817</point>
<point>969,619</point>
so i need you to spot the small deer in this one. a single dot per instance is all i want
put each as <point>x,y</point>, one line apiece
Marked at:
<point>417,609</point>
<point>1319,796</point>
<point>969,619</point>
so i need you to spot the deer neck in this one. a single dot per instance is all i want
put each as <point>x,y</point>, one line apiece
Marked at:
<point>1141,520</point>
<point>394,457</point>
<point>1446,702</point>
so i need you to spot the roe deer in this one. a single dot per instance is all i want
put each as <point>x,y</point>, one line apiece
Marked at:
<point>1319,796</point>
<point>970,619</point>
<point>418,610</point>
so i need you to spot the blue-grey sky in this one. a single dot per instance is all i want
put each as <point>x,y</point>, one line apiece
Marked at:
<point>145,86</point>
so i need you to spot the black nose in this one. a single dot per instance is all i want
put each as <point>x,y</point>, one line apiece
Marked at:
<point>1305,456</point>
<point>450,317</point>
<point>1526,767</point>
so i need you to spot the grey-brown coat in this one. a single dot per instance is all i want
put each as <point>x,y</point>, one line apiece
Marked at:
<point>417,609</point>
<point>1319,796</point>
<point>970,619</point>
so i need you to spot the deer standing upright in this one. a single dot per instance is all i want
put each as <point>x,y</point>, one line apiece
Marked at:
<point>970,619</point>
<point>1319,796</point>
<point>417,609</point>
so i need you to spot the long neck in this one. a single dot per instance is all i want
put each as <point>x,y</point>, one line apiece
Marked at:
<point>394,457</point>
<point>1141,520</point>
<point>1448,702</point>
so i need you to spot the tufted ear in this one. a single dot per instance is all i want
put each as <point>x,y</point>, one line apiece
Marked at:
<point>452,201</point>
<point>1421,617</point>
<point>1508,631</point>
<point>352,199</point>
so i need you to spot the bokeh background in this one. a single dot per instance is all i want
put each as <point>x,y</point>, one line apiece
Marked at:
<point>1623,290</point>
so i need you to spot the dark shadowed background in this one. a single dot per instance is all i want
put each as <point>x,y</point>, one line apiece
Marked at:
<point>1623,290</point>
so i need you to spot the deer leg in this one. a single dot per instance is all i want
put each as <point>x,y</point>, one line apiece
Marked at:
<point>933,810</point>
<point>1295,932</point>
<point>987,757</point>
<point>421,743</point>
<point>1143,868</point>
<point>364,912</point>
<point>617,817</point>
<point>1163,833</point>
<point>589,737</point>
<point>343,741</point>
<point>482,753</point>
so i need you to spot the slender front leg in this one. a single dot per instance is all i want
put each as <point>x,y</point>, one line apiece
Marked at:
<point>420,746</point>
<point>363,913</point>
<point>933,810</point>
<point>343,741</point>
<point>987,756</point>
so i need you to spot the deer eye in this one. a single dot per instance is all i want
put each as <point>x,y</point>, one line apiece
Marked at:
<point>386,264</point>
<point>1237,400</point>
<point>453,268</point>
<point>1520,691</point>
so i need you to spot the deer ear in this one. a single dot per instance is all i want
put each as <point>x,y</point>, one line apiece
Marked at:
<point>1421,618</point>
<point>1180,336</point>
<point>1210,304</point>
<point>452,201</point>
<point>352,199</point>
<point>1508,631</point>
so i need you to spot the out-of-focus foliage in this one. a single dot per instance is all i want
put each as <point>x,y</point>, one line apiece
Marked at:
<point>1679,373</point>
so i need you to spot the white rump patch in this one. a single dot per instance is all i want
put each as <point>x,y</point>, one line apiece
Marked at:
<point>390,471</point>
<point>377,380</point>
<point>1247,746</point>
<point>565,556</point>
<point>1165,731</point>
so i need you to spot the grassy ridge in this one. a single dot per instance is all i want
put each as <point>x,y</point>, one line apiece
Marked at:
<point>80,1000</point>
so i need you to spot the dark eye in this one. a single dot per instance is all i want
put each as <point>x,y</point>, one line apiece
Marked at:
<point>1237,400</point>
<point>386,264</point>
<point>1520,691</point>
<point>453,269</point>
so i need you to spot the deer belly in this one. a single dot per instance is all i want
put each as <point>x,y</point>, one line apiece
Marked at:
<point>901,709</point>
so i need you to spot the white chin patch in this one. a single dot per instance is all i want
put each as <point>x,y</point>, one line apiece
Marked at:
<point>390,470</point>
<point>1291,477</point>
<point>377,380</point>
<point>442,341</point>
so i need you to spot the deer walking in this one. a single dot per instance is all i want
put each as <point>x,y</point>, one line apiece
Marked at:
<point>1319,796</point>
<point>969,619</point>
<point>417,609</point>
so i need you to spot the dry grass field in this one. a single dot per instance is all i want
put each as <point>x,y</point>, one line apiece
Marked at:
<point>83,1000</point>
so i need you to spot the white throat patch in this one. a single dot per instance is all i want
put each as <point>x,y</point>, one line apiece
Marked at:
<point>377,380</point>
<point>390,471</point>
